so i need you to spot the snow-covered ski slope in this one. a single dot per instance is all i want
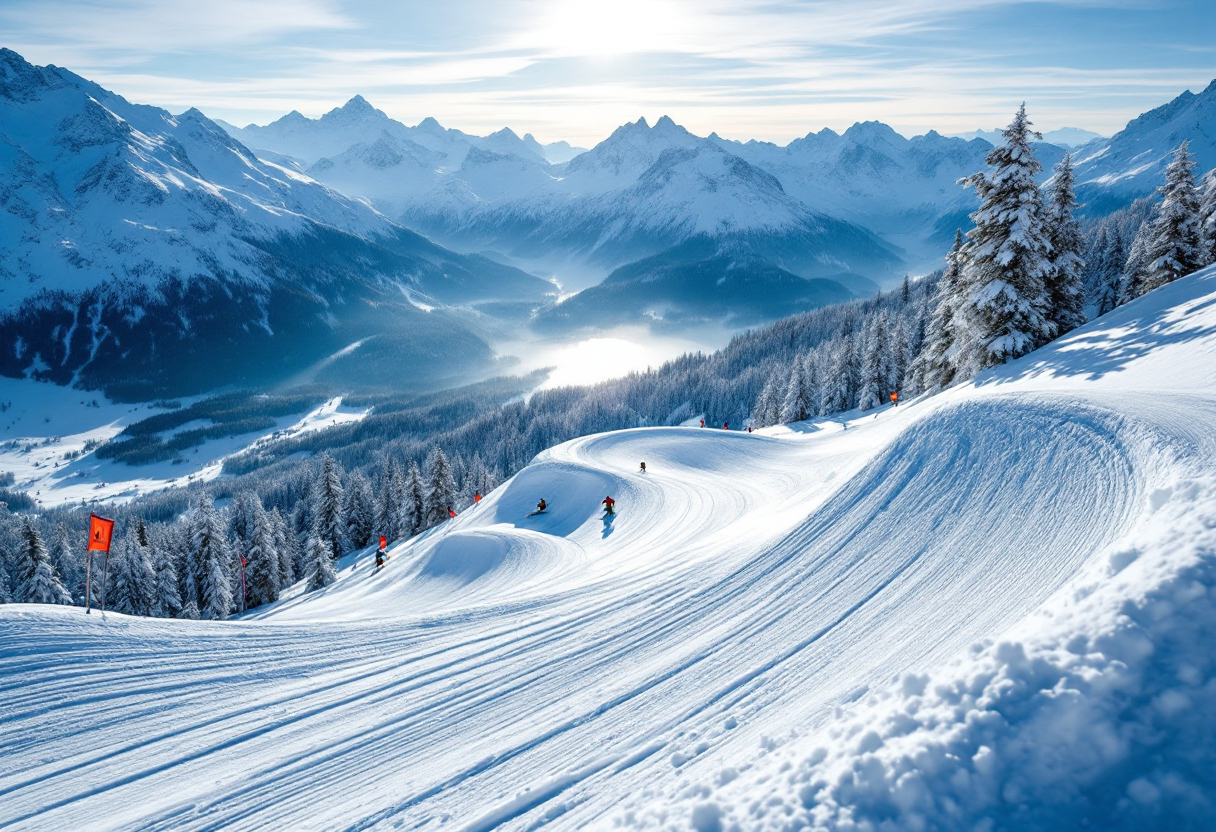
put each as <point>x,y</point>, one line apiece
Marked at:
<point>711,657</point>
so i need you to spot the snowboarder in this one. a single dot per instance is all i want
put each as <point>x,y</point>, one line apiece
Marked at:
<point>894,399</point>
<point>643,468</point>
<point>381,557</point>
<point>451,513</point>
<point>477,498</point>
<point>749,428</point>
<point>541,506</point>
<point>608,506</point>
<point>726,425</point>
<point>702,423</point>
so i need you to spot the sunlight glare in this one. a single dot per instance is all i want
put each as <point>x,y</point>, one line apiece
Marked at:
<point>612,27</point>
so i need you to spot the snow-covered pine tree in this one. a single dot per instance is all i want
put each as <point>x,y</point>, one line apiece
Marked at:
<point>41,584</point>
<point>811,381</point>
<point>321,564</point>
<point>796,404</point>
<point>132,590</point>
<point>1207,217</point>
<point>242,517</point>
<point>837,383</point>
<point>166,599</point>
<point>412,516</point>
<point>360,511</point>
<point>262,569</point>
<point>329,508</point>
<point>873,378</point>
<point>767,410</point>
<point>440,488</point>
<point>1066,295</point>
<point>284,544</point>
<point>210,563</point>
<point>389,503</point>
<point>67,562</point>
<point>899,352</point>
<point>1001,309</point>
<point>6,594</point>
<point>1135,269</point>
<point>1174,247</point>
<point>190,612</point>
<point>1109,276</point>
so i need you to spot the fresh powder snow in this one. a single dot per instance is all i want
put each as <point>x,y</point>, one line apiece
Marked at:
<point>988,609</point>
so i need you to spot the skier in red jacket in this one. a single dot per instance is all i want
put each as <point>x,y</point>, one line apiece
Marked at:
<point>608,506</point>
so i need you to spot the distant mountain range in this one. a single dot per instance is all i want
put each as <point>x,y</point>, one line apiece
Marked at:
<point>867,202</point>
<point>150,254</point>
<point>153,254</point>
<point>1064,137</point>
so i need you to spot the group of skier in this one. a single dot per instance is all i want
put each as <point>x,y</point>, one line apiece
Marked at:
<point>607,503</point>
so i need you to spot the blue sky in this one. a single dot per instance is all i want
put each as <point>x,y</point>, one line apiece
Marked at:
<point>576,69</point>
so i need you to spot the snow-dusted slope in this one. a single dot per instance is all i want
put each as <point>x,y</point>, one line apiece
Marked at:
<point>1131,164</point>
<point>752,602</point>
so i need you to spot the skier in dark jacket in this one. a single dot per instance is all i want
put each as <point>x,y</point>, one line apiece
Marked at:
<point>608,505</point>
<point>541,506</point>
<point>643,468</point>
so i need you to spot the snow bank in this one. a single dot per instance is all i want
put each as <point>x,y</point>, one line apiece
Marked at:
<point>1098,712</point>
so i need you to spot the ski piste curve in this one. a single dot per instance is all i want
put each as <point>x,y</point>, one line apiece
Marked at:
<point>509,672</point>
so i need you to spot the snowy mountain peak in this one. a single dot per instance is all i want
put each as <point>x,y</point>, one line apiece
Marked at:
<point>430,125</point>
<point>357,109</point>
<point>871,132</point>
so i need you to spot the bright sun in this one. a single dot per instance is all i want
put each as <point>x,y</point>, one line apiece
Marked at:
<point>611,27</point>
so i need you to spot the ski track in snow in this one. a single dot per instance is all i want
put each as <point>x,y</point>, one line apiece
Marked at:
<point>505,671</point>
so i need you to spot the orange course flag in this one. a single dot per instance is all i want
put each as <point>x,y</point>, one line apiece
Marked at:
<point>100,532</point>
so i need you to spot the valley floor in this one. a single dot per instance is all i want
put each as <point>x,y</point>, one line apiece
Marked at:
<point>756,639</point>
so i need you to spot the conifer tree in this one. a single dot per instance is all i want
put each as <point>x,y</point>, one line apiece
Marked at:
<point>329,508</point>
<point>320,562</point>
<point>1001,309</point>
<point>6,595</point>
<point>41,584</point>
<point>440,489</point>
<point>210,563</point>
<point>284,544</point>
<point>1109,275</point>
<point>811,381</point>
<point>190,612</point>
<point>795,407</point>
<point>389,503</point>
<point>767,408</point>
<point>412,517</point>
<point>1174,246</point>
<point>133,587</point>
<point>872,375</point>
<point>67,562</point>
<point>1135,269</point>
<point>837,384</point>
<point>360,511</point>
<point>263,566</point>
<point>1207,218</point>
<point>166,599</point>
<point>1065,293</point>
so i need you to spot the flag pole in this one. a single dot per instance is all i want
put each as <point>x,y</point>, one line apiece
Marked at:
<point>88,581</point>
<point>105,574</point>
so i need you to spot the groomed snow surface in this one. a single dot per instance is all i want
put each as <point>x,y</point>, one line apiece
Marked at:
<point>993,609</point>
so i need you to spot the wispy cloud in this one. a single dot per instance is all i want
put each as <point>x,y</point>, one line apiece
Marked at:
<point>577,68</point>
<point>148,27</point>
